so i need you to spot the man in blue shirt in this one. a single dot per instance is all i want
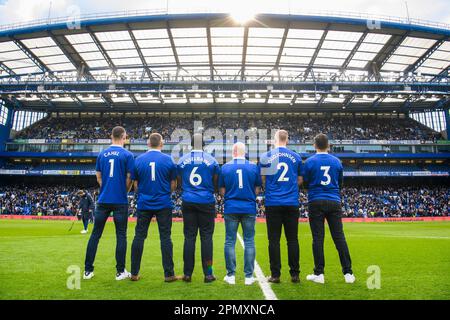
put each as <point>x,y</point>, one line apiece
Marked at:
<point>239,182</point>
<point>280,170</point>
<point>323,173</point>
<point>155,179</point>
<point>197,174</point>
<point>114,167</point>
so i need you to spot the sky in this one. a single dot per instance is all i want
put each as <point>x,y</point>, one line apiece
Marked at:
<point>13,11</point>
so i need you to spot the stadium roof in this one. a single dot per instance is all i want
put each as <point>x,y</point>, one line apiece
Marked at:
<point>278,62</point>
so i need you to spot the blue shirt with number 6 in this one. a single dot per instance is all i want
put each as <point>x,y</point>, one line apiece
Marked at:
<point>197,170</point>
<point>323,174</point>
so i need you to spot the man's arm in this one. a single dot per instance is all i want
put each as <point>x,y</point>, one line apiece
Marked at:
<point>173,185</point>
<point>179,181</point>
<point>222,191</point>
<point>98,174</point>
<point>300,180</point>
<point>257,190</point>
<point>263,181</point>
<point>135,183</point>
<point>216,182</point>
<point>129,182</point>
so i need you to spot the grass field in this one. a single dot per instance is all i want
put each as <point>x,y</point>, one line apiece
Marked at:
<point>414,258</point>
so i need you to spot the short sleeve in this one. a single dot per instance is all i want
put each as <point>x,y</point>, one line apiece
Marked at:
<point>300,166</point>
<point>131,165</point>
<point>173,170</point>
<point>97,163</point>
<point>304,171</point>
<point>263,165</point>
<point>216,168</point>
<point>258,181</point>
<point>221,179</point>
<point>179,170</point>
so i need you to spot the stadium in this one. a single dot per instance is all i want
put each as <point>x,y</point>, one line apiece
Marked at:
<point>378,87</point>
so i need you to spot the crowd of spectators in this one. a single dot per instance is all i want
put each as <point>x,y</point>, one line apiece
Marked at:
<point>40,200</point>
<point>301,129</point>
<point>388,201</point>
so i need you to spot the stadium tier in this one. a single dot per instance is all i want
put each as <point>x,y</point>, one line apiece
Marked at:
<point>395,201</point>
<point>301,129</point>
<point>381,94</point>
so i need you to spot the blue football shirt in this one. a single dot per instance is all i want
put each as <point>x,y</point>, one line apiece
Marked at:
<point>281,167</point>
<point>197,170</point>
<point>154,171</point>
<point>114,163</point>
<point>323,173</point>
<point>239,177</point>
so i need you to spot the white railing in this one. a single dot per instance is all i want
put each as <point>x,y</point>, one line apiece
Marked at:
<point>162,11</point>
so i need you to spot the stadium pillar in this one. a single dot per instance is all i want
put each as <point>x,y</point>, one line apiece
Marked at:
<point>447,121</point>
<point>5,126</point>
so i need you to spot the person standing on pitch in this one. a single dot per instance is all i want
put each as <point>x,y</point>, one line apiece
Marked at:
<point>114,167</point>
<point>239,182</point>
<point>323,175</point>
<point>155,180</point>
<point>85,206</point>
<point>198,174</point>
<point>280,170</point>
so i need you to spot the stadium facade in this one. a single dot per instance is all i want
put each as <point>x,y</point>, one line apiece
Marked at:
<point>194,66</point>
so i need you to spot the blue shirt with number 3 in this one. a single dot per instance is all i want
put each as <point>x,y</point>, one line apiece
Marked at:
<point>323,173</point>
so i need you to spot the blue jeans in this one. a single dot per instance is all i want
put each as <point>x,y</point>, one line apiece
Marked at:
<point>231,228</point>
<point>102,212</point>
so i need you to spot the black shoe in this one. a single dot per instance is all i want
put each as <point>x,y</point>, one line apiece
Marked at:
<point>295,279</point>
<point>186,278</point>
<point>273,279</point>
<point>210,278</point>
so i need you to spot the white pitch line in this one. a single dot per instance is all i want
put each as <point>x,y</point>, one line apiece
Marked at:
<point>262,280</point>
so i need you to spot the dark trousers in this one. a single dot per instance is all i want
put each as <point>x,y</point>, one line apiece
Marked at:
<point>331,211</point>
<point>102,212</point>
<point>164,219</point>
<point>85,216</point>
<point>198,217</point>
<point>276,218</point>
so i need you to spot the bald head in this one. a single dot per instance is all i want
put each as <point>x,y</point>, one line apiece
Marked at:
<point>281,138</point>
<point>238,150</point>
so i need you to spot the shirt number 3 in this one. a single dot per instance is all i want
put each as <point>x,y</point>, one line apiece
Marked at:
<point>326,175</point>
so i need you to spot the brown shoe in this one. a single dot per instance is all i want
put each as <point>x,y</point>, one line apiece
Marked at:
<point>273,279</point>
<point>295,279</point>
<point>135,278</point>
<point>210,278</point>
<point>186,278</point>
<point>171,279</point>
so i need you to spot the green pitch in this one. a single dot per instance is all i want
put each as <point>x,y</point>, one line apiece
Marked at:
<point>414,259</point>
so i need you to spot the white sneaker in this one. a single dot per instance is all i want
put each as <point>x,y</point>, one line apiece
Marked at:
<point>122,276</point>
<point>316,278</point>
<point>88,275</point>
<point>84,231</point>
<point>349,278</point>
<point>230,279</point>
<point>249,281</point>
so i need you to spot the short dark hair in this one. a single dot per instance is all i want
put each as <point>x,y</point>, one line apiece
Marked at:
<point>197,141</point>
<point>117,132</point>
<point>155,140</point>
<point>321,141</point>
